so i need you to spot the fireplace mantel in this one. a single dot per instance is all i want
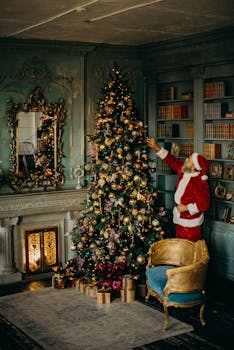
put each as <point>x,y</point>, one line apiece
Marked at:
<point>36,203</point>
<point>20,211</point>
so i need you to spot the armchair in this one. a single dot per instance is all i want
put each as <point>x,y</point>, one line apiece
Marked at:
<point>176,274</point>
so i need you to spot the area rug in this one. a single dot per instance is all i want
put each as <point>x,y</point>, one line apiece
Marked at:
<point>65,319</point>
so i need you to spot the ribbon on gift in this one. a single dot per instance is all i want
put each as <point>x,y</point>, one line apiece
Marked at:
<point>128,282</point>
<point>104,296</point>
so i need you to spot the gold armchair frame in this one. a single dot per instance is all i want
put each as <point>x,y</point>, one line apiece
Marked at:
<point>190,262</point>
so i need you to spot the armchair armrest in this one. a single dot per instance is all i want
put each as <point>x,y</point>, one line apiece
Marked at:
<point>186,278</point>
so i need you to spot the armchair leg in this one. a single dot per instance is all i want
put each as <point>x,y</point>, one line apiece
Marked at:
<point>202,310</point>
<point>147,296</point>
<point>166,320</point>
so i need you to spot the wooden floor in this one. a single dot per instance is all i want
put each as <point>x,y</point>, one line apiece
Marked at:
<point>216,335</point>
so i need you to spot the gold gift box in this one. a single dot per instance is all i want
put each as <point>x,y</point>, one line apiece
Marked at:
<point>91,291</point>
<point>127,296</point>
<point>103,296</point>
<point>128,282</point>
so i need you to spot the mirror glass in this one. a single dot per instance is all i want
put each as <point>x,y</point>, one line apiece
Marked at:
<point>36,130</point>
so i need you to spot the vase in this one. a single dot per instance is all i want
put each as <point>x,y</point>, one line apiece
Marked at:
<point>141,290</point>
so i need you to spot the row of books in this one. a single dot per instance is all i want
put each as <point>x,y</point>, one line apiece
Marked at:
<point>173,130</point>
<point>215,110</point>
<point>173,112</point>
<point>167,93</point>
<point>212,150</point>
<point>215,89</point>
<point>168,130</point>
<point>219,131</point>
<point>185,148</point>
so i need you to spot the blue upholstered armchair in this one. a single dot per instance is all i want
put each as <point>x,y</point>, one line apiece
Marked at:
<point>176,274</point>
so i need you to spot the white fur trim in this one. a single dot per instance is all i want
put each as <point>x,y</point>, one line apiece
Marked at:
<point>195,161</point>
<point>204,177</point>
<point>192,208</point>
<point>162,153</point>
<point>182,185</point>
<point>187,222</point>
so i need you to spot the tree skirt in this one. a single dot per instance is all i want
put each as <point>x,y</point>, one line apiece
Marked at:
<point>66,319</point>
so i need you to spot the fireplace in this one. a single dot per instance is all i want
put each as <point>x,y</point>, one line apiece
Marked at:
<point>35,231</point>
<point>40,249</point>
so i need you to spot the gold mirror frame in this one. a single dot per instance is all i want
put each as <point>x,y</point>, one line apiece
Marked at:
<point>42,176</point>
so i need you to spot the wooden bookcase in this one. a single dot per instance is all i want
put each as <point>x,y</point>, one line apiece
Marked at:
<point>206,125</point>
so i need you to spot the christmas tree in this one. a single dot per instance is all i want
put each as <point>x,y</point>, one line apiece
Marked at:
<point>121,218</point>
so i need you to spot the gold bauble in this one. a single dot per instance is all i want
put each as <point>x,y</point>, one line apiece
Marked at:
<point>126,220</point>
<point>92,245</point>
<point>144,156</point>
<point>80,245</point>
<point>119,150</point>
<point>137,178</point>
<point>135,133</point>
<point>126,148</point>
<point>126,121</point>
<point>162,233</point>
<point>114,186</point>
<point>105,166</point>
<point>120,156</point>
<point>128,157</point>
<point>143,183</point>
<point>88,166</point>
<point>100,192</point>
<point>137,165</point>
<point>139,217</point>
<point>111,195</point>
<point>134,212</point>
<point>140,259</point>
<point>130,127</point>
<point>102,147</point>
<point>132,201</point>
<point>106,234</point>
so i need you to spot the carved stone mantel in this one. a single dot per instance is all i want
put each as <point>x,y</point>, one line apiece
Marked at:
<point>36,203</point>
<point>20,209</point>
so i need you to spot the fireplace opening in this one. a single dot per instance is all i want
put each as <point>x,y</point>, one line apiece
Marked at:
<point>41,249</point>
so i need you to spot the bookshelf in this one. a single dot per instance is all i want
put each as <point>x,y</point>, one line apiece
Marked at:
<point>218,119</point>
<point>205,125</point>
<point>174,131</point>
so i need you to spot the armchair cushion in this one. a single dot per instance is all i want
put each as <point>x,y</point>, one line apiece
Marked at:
<point>157,280</point>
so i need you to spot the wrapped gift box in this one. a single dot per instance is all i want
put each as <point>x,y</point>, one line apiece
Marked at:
<point>59,282</point>
<point>127,296</point>
<point>128,282</point>
<point>103,296</point>
<point>81,284</point>
<point>91,290</point>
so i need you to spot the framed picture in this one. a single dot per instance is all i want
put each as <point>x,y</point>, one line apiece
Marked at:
<point>228,172</point>
<point>215,169</point>
<point>220,191</point>
<point>231,151</point>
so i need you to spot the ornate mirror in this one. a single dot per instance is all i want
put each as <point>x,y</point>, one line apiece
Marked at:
<point>36,130</point>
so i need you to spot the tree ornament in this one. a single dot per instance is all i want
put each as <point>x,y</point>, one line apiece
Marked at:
<point>140,259</point>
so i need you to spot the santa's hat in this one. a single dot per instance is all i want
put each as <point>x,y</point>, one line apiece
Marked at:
<point>201,164</point>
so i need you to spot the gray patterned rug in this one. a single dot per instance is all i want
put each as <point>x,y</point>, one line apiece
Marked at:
<point>65,319</point>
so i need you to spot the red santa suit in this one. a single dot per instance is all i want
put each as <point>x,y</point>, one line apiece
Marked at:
<point>191,190</point>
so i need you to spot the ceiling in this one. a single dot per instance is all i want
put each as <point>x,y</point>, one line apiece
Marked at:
<point>123,22</point>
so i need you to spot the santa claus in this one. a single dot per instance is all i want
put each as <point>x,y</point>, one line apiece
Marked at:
<point>192,195</point>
